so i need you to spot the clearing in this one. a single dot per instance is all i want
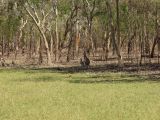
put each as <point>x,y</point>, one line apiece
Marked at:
<point>46,94</point>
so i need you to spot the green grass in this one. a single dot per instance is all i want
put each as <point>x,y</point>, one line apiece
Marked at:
<point>49,95</point>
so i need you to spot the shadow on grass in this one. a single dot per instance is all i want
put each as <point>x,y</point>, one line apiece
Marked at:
<point>94,79</point>
<point>133,70</point>
<point>98,78</point>
<point>39,79</point>
<point>112,80</point>
<point>102,68</point>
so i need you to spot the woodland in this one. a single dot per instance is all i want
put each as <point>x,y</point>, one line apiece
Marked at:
<point>51,32</point>
<point>79,59</point>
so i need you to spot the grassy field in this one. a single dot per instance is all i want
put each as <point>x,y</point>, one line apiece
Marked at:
<point>51,95</point>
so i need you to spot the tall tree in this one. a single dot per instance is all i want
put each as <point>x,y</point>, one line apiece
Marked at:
<point>41,23</point>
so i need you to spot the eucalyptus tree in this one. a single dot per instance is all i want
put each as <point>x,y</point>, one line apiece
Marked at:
<point>41,14</point>
<point>112,29</point>
<point>10,22</point>
<point>69,30</point>
<point>157,29</point>
<point>55,7</point>
<point>89,7</point>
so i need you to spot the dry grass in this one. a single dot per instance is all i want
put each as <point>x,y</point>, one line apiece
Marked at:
<point>47,95</point>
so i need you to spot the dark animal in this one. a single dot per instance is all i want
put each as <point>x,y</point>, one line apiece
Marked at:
<point>13,63</point>
<point>84,61</point>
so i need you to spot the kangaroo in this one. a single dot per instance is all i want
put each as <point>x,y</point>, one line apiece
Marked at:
<point>82,62</point>
<point>85,62</point>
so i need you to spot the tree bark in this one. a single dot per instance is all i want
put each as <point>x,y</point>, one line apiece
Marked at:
<point>56,30</point>
<point>118,47</point>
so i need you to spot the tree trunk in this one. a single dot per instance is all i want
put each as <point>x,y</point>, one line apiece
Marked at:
<point>69,54</point>
<point>51,43</point>
<point>118,47</point>
<point>118,24</point>
<point>49,61</point>
<point>16,48</point>
<point>113,35</point>
<point>8,47</point>
<point>77,41</point>
<point>55,3</point>
<point>120,60</point>
<point>106,46</point>
<point>2,46</point>
<point>40,51</point>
